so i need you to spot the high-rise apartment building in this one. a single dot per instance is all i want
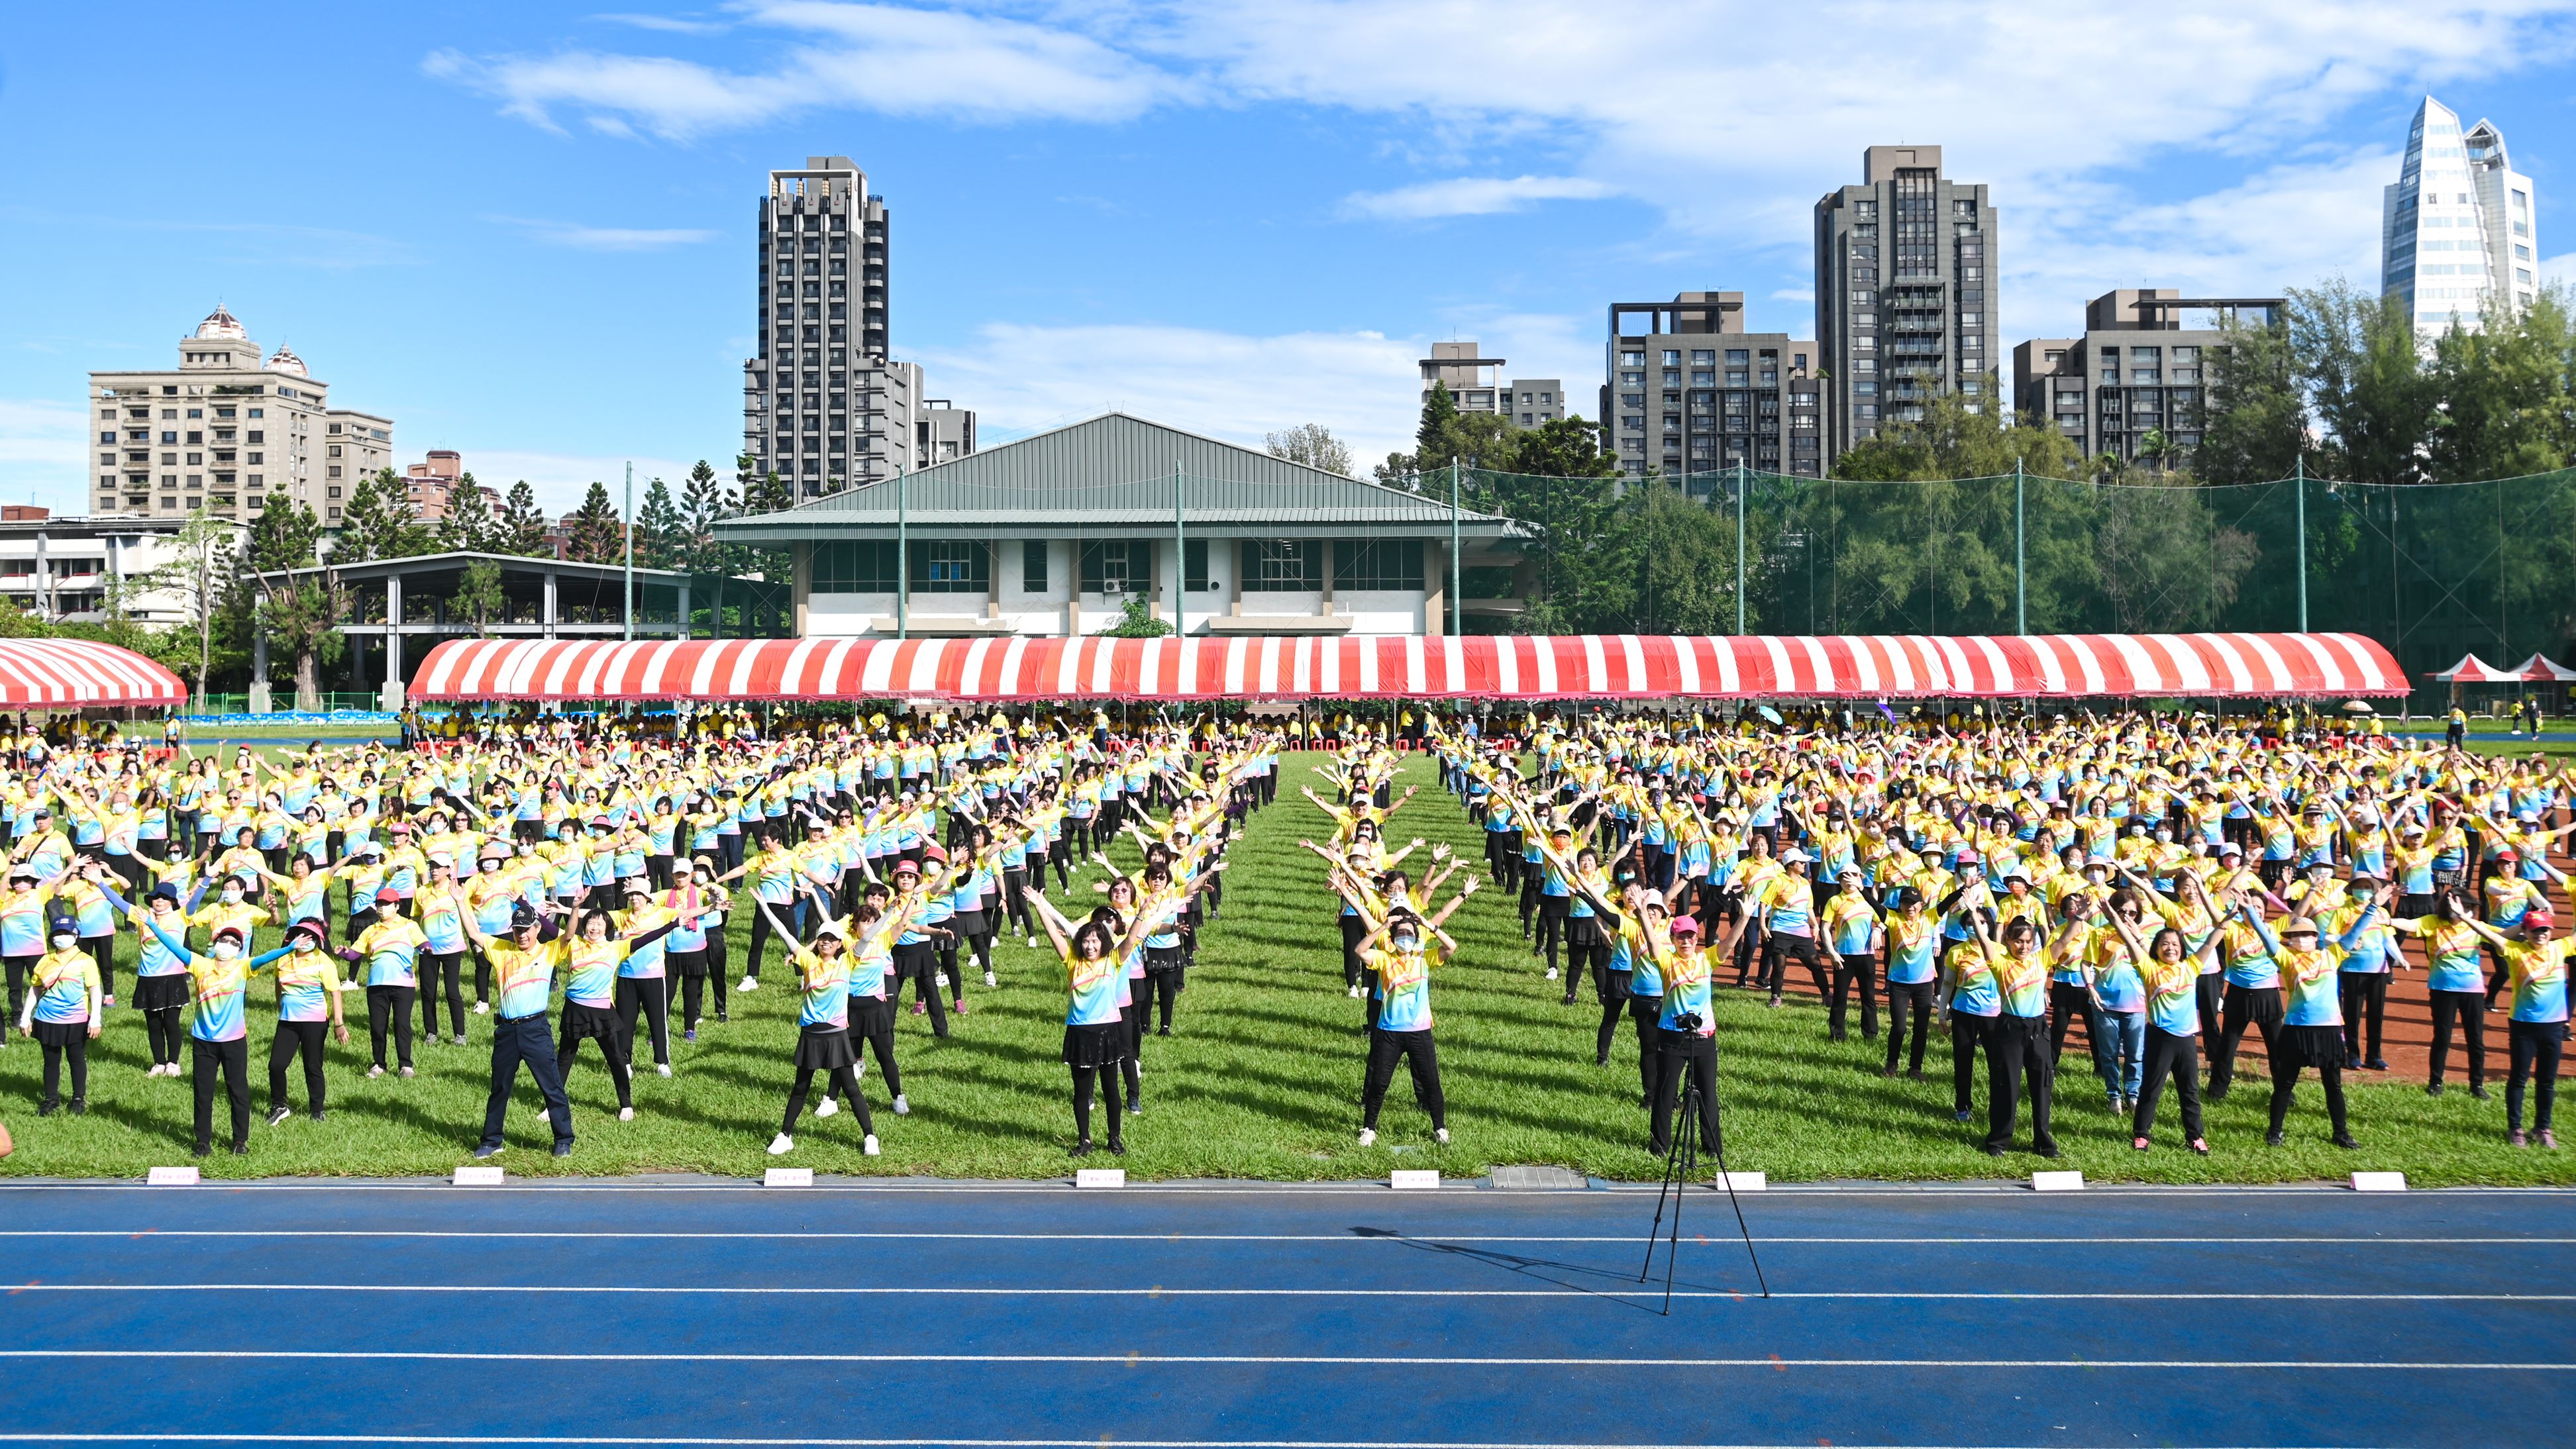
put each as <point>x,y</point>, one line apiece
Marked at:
<point>2139,375</point>
<point>227,431</point>
<point>1687,390</point>
<point>1905,293</point>
<point>2459,228</point>
<point>1476,385</point>
<point>823,408</point>
<point>942,432</point>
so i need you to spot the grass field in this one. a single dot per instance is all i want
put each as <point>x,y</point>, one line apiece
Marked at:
<point>1261,1079</point>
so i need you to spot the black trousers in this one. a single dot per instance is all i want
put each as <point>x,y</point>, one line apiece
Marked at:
<point>1648,1013</point>
<point>18,970</point>
<point>390,1007</point>
<point>437,967</point>
<point>1856,973</point>
<point>650,995</point>
<point>2179,1057</point>
<point>2536,1047</point>
<point>1611,989</point>
<point>102,950</point>
<point>1778,952</point>
<point>232,1059</point>
<point>1414,1048</point>
<point>2066,1003</point>
<point>1162,988</point>
<point>77,1049</point>
<point>1689,1055</point>
<point>2013,1060</point>
<point>1967,1033</point>
<point>919,964</point>
<point>2232,1022</point>
<point>2469,1009</point>
<point>2365,1000</point>
<point>842,1081</point>
<point>621,1070</point>
<point>1906,998</point>
<point>294,1039</point>
<point>881,1042</point>
<point>518,1040</point>
<point>2285,1086</point>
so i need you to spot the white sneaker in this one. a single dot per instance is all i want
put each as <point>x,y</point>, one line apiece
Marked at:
<point>1355,993</point>
<point>406,1074</point>
<point>869,1145</point>
<point>374,1072</point>
<point>545,1113</point>
<point>1368,1137</point>
<point>662,1068</point>
<point>482,1008</point>
<point>830,1106</point>
<point>749,983</point>
<point>460,1038</point>
<point>902,1105</point>
<point>1551,973</point>
<point>781,1145</point>
<point>1033,941</point>
<point>989,981</point>
<point>625,1114</point>
<point>1440,1135</point>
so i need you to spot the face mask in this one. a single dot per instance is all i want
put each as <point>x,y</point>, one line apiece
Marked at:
<point>232,895</point>
<point>1406,943</point>
<point>226,950</point>
<point>63,942</point>
<point>304,943</point>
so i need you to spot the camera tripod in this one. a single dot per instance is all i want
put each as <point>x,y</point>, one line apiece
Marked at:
<point>1681,1163</point>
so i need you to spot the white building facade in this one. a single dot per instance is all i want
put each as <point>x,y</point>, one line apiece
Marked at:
<point>2459,228</point>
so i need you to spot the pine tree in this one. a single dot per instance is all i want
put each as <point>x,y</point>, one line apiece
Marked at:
<point>378,522</point>
<point>469,525</point>
<point>659,529</point>
<point>301,615</point>
<point>522,527</point>
<point>706,503</point>
<point>596,534</point>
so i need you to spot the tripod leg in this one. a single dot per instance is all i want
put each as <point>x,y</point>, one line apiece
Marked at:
<point>1672,1156</point>
<point>1688,1155</point>
<point>1717,1122</point>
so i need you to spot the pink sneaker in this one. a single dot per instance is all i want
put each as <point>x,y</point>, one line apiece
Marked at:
<point>918,1008</point>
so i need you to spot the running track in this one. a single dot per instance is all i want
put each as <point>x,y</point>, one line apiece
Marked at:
<point>712,1313</point>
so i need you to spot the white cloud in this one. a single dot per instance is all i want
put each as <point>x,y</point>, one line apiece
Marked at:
<point>1023,379</point>
<point>883,58</point>
<point>671,24</point>
<point>2560,269</point>
<point>607,238</point>
<point>561,479</point>
<point>1473,196</point>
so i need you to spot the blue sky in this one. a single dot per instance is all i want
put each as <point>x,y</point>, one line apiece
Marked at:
<point>524,231</point>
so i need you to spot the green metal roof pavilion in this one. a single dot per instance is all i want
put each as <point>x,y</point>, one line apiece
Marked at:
<point>1111,475</point>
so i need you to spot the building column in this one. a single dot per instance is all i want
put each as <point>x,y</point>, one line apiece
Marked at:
<point>546,616</point>
<point>1435,599</point>
<point>393,691</point>
<point>684,608</point>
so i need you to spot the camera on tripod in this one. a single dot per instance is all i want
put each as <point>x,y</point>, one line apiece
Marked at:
<point>1688,1021</point>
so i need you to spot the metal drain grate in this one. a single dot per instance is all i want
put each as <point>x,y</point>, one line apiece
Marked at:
<point>1540,1179</point>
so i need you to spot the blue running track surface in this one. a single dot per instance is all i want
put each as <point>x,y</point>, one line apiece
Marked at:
<point>717,1313</point>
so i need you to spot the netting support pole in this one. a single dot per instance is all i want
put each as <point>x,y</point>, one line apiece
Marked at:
<point>2302,479</point>
<point>629,591</point>
<point>1739,546</point>
<point>2021,570</point>
<point>1457,570</point>
<point>902,558</point>
<point>1180,559</point>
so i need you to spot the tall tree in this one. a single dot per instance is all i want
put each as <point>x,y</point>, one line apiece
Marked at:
<point>705,503</point>
<point>2361,363</point>
<point>304,614</point>
<point>595,534</point>
<point>522,527</point>
<point>468,525</point>
<point>2257,421</point>
<point>378,522</point>
<point>660,531</point>
<point>1314,445</point>
<point>198,572</point>
<point>479,595</point>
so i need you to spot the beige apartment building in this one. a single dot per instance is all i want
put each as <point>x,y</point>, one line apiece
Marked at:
<point>226,431</point>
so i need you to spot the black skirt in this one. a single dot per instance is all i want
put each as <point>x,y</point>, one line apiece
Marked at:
<point>967,923</point>
<point>587,1023</point>
<point>61,1033</point>
<point>824,1049</point>
<point>1095,1046</point>
<point>2260,1005</point>
<point>1164,958</point>
<point>871,1015</point>
<point>161,993</point>
<point>2311,1046</point>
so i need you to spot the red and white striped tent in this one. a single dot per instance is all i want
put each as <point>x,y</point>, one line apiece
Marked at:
<point>1591,666</point>
<point>2473,670</point>
<point>76,673</point>
<point>2541,669</point>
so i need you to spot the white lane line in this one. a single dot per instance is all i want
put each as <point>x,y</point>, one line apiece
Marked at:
<point>1148,1237</point>
<point>1093,1443</point>
<point>750,1290</point>
<point>1320,1360</point>
<point>2015,1191</point>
